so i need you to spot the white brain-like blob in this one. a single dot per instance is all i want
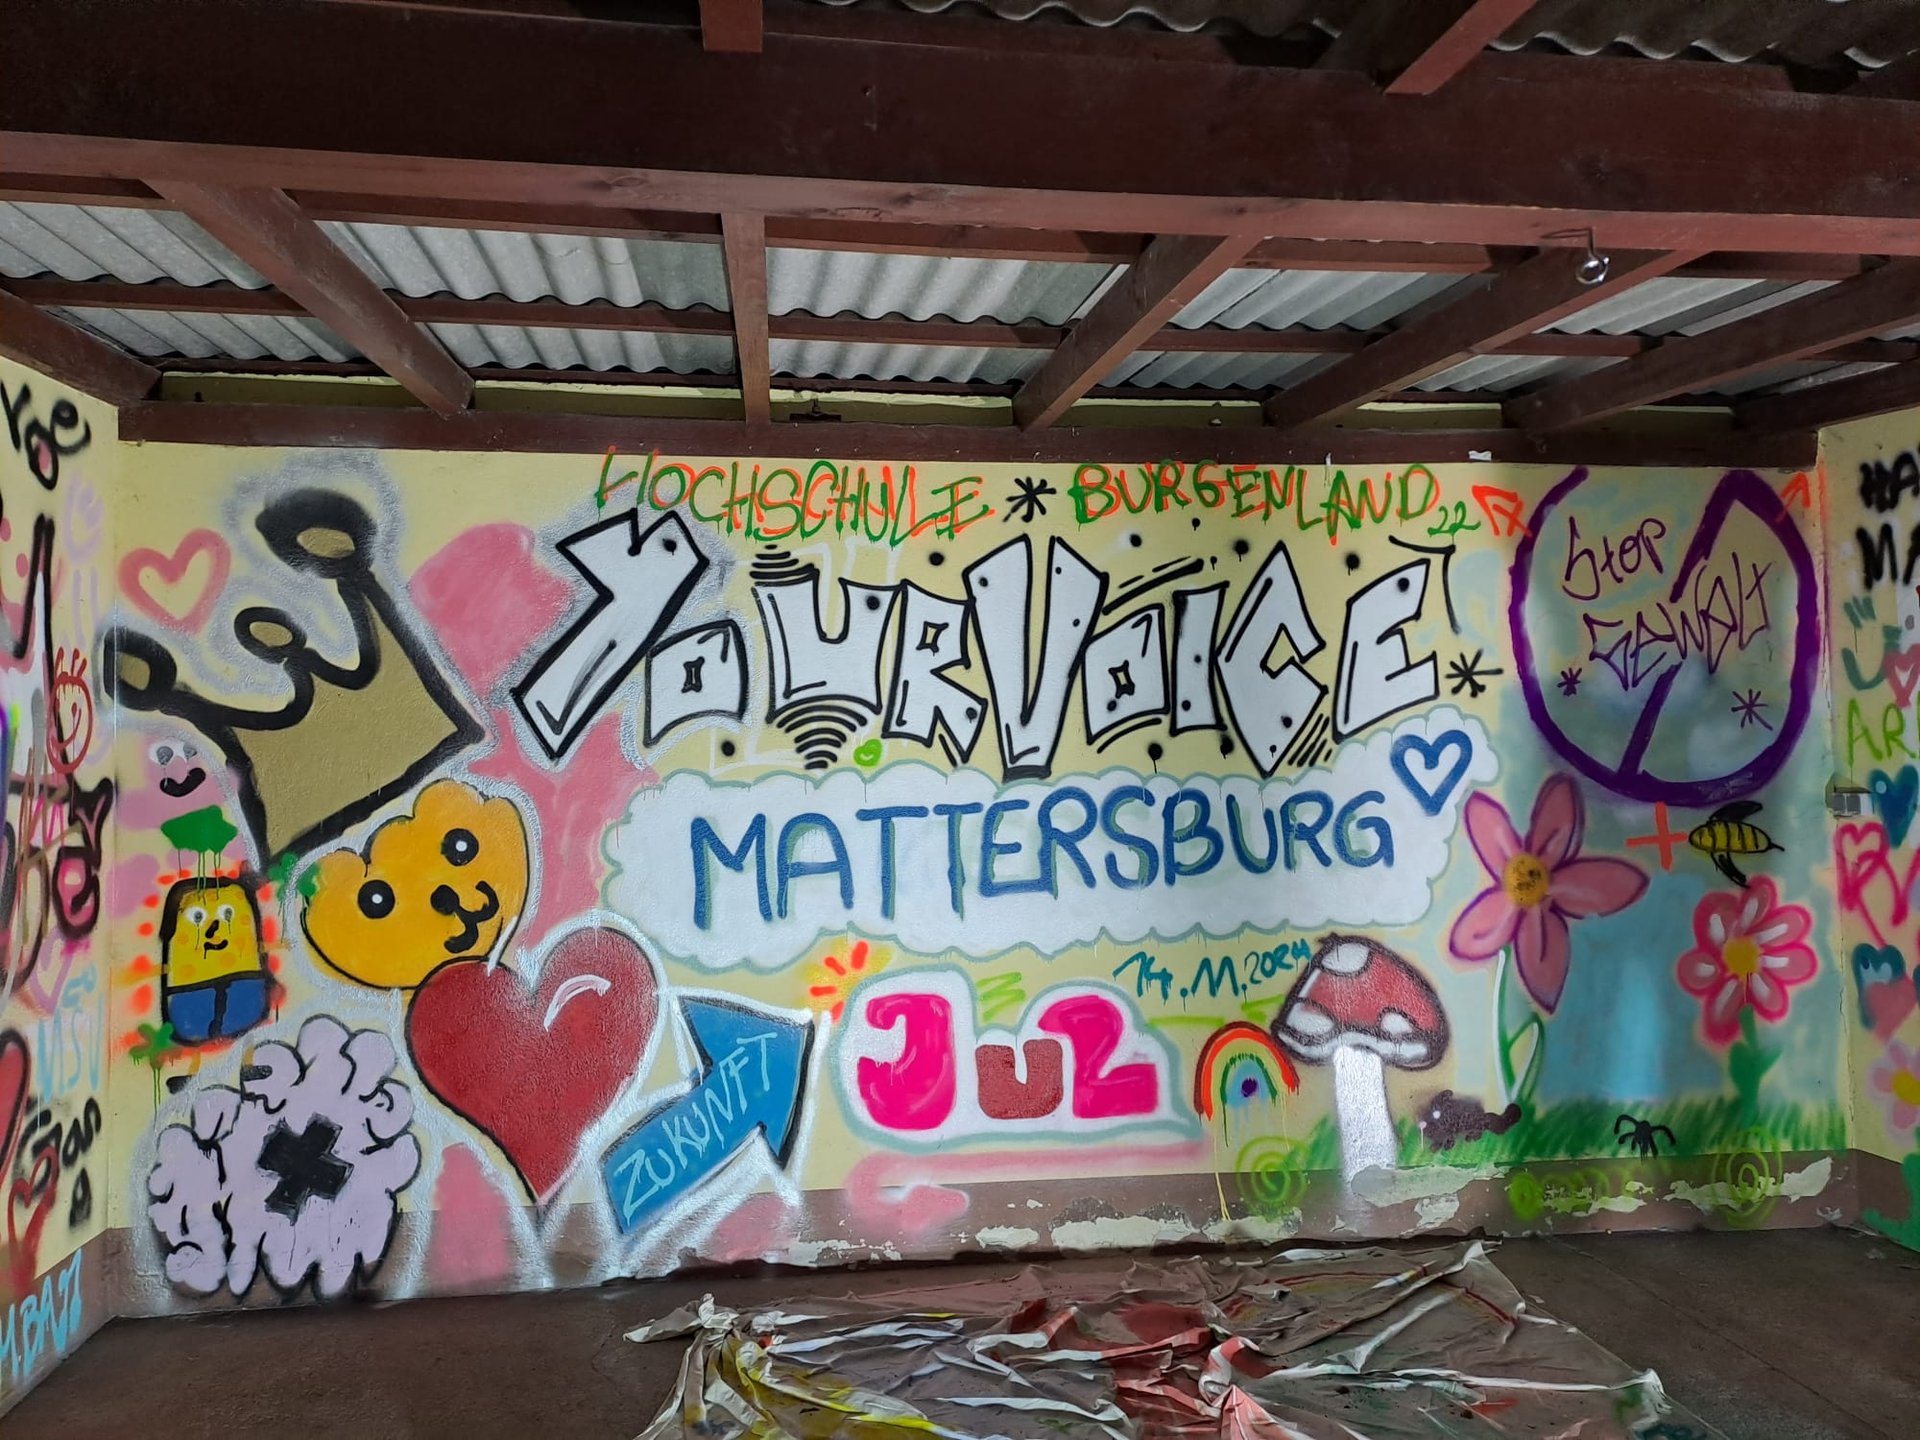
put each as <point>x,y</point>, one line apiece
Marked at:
<point>299,1170</point>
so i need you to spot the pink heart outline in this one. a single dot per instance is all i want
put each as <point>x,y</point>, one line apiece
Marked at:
<point>1861,855</point>
<point>135,566</point>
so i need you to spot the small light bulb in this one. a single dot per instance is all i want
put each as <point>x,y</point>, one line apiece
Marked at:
<point>1593,269</point>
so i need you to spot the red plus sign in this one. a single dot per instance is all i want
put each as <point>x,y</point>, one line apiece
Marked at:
<point>1667,839</point>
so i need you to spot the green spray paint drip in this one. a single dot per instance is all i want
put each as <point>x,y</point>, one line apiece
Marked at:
<point>205,832</point>
<point>156,1047</point>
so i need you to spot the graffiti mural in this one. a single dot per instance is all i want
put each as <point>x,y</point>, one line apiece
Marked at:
<point>615,863</point>
<point>1874,469</point>
<point>57,741</point>
<point>710,850</point>
<point>296,1173</point>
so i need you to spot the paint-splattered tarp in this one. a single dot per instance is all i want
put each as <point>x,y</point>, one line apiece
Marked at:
<point>1367,1344</point>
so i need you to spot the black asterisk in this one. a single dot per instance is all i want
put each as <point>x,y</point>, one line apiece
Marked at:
<point>1469,675</point>
<point>1029,498</point>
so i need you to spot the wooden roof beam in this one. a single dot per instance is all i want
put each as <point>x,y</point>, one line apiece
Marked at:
<point>1878,392</point>
<point>69,355</point>
<point>390,106</point>
<point>734,27</point>
<point>650,318</point>
<point>1172,271</point>
<point>1896,80</point>
<point>1547,288</point>
<point>1881,300</point>
<point>268,231</point>
<point>890,237</point>
<point>1413,47</point>
<point>572,433</point>
<point>745,238</point>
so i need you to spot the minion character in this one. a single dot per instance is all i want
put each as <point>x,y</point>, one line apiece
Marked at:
<point>213,979</point>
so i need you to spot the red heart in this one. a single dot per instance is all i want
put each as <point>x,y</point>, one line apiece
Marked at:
<point>534,1069</point>
<point>1902,669</point>
<point>1889,1002</point>
<point>15,1068</point>
<point>137,565</point>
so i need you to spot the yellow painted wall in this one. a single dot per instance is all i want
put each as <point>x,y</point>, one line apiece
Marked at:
<point>58,468</point>
<point>1873,468</point>
<point>446,911</point>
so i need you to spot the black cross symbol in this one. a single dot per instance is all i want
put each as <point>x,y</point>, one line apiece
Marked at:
<point>305,1164</point>
<point>692,684</point>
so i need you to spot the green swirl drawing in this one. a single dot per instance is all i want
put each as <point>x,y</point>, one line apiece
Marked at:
<point>1271,1180</point>
<point>1753,1172</point>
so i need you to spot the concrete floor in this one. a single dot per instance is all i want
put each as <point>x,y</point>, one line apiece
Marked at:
<point>1787,1335</point>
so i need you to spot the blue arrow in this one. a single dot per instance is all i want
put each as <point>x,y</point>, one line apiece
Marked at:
<point>753,1074</point>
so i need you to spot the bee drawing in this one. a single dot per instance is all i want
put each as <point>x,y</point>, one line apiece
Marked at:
<point>1727,833</point>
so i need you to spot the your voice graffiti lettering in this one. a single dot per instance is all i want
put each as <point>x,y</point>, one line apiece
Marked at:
<point>642,578</point>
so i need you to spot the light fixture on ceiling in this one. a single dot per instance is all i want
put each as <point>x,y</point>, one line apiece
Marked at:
<point>1593,269</point>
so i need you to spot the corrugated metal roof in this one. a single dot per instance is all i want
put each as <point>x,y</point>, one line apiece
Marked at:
<point>1502,373</point>
<point>541,347</point>
<point>1320,299</point>
<point>1261,17</point>
<point>428,260</point>
<point>87,242</point>
<point>1808,32</point>
<point>924,287</point>
<point>1775,375</point>
<point>1828,376</point>
<point>156,333</point>
<point>138,246</point>
<point>1670,306</point>
<point>819,359</point>
<point>1183,369</point>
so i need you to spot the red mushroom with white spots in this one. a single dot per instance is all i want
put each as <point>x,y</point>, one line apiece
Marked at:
<point>1364,1008</point>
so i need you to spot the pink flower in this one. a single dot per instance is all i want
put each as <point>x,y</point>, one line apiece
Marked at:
<point>1896,1078</point>
<point>1539,885</point>
<point>1748,949</point>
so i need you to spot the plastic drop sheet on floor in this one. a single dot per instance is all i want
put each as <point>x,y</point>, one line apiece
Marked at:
<point>1361,1344</point>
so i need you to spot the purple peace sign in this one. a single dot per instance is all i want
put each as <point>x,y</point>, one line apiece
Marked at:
<point>1629,776</point>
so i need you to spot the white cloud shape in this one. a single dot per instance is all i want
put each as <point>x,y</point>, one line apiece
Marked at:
<point>722,875</point>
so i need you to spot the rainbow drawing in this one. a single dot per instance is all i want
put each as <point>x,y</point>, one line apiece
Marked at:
<point>1240,1065</point>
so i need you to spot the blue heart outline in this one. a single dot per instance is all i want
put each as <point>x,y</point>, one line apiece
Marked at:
<point>1433,801</point>
<point>1896,797</point>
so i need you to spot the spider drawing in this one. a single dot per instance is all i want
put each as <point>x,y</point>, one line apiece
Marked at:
<point>1640,1134</point>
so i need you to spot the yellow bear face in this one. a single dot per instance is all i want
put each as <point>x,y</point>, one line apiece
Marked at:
<point>446,882</point>
<point>210,930</point>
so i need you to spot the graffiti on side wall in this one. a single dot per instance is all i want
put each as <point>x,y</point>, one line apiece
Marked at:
<point>57,810</point>
<point>1876,644</point>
